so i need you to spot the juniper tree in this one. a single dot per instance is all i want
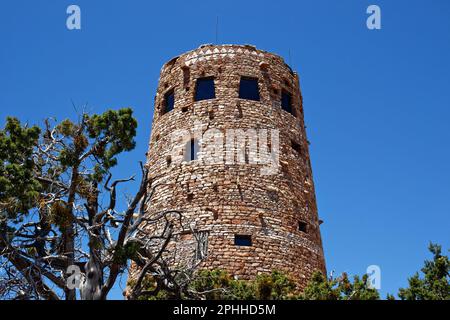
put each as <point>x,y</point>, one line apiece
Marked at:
<point>60,210</point>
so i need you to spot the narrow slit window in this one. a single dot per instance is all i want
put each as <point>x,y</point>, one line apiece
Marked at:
<point>286,102</point>
<point>302,226</point>
<point>242,240</point>
<point>248,89</point>
<point>204,89</point>
<point>191,150</point>
<point>169,101</point>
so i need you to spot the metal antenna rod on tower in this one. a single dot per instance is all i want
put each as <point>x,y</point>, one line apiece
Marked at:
<point>290,58</point>
<point>217,30</point>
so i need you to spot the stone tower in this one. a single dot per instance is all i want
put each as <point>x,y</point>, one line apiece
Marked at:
<point>247,104</point>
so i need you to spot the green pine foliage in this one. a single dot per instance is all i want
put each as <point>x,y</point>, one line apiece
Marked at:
<point>19,189</point>
<point>340,288</point>
<point>434,285</point>
<point>101,136</point>
<point>219,285</point>
<point>50,179</point>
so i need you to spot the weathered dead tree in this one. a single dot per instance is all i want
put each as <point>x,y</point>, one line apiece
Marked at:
<point>63,225</point>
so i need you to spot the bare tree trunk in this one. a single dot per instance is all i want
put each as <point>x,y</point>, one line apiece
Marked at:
<point>69,233</point>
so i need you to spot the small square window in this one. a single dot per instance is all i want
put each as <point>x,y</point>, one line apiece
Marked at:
<point>286,102</point>
<point>303,226</point>
<point>169,101</point>
<point>242,240</point>
<point>205,89</point>
<point>248,89</point>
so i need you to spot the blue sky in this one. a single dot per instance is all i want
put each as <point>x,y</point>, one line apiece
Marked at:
<point>376,102</point>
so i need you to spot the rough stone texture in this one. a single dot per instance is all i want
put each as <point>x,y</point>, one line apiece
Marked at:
<point>223,200</point>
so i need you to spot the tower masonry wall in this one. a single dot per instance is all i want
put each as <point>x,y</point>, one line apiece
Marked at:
<point>223,199</point>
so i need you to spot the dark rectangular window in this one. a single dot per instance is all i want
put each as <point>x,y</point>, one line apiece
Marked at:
<point>169,101</point>
<point>286,101</point>
<point>242,240</point>
<point>205,89</point>
<point>297,147</point>
<point>303,226</point>
<point>191,150</point>
<point>248,89</point>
